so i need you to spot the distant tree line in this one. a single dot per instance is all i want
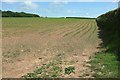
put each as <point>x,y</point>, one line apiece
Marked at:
<point>80,17</point>
<point>17,14</point>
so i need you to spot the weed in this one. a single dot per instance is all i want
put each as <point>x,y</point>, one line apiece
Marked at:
<point>86,74</point>
<point>39,70</point>
<point>69,70</point>
<point>30,75</point>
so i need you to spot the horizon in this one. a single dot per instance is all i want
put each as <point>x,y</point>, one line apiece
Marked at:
<point>60,9</point>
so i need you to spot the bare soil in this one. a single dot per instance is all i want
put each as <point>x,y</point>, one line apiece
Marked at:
<point>22,54</point>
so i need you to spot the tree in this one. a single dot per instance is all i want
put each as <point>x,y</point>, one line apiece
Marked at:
<point>17,14</point>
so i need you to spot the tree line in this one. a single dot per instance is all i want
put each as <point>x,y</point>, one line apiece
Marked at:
<point>81,17</point>
<point>17,14</point>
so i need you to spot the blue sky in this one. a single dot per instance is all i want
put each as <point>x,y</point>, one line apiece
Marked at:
<point>61,9</point>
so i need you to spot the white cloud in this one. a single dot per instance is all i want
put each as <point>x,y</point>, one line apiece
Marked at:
<point>71,11</point>
<point>58,2</point>
<point>115,0</point>
<point>47,10</point>
<point>28,5</point>
<point>25,5</point>
<point>87,13</point>
<point>9,1</point>
<point>64,1</point>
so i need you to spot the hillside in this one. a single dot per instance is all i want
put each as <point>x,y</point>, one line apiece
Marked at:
<point>17,14</point>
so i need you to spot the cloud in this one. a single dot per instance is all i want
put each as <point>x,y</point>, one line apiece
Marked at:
<point>115,0</point>
<point>57,5</point>
<point>47,10</point>
<point>9,1</point>
<point>63,1</point>
<point>29,5</point>
<point>25,4</point>
<point>59,2</point>
<point>71,11</point>
<point>87,14</point>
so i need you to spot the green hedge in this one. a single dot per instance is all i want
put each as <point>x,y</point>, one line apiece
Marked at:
<point>109,23</point>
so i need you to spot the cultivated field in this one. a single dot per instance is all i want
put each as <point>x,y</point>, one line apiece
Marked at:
<point>47,47</point>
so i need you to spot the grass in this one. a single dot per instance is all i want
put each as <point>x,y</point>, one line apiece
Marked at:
<point>105,65</point>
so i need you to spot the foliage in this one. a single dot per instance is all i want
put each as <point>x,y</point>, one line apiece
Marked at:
<point>109,26</point>
<point>30,75</point>
<point>80,17</point>
<point>17,14</point>
<point>109,23</point>
<point>69,70</point>
<point>47,70</point>
<point>105,65</point>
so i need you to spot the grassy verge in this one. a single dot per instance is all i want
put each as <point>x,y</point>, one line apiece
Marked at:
<point>105,65</point>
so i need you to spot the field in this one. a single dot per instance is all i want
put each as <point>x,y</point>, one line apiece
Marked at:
<point>48,47</point>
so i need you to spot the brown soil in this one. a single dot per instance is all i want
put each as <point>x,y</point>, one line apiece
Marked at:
<point>36,49</point>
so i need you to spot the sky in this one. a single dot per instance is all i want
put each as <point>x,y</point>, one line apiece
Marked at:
<point>60,9</point>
